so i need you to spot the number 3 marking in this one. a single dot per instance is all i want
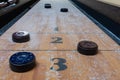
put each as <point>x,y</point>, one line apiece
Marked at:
<point>61,64</point>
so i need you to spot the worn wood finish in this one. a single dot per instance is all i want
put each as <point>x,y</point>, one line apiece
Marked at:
<point>104,66</point>
<point>47,25</point>
<point>47,20</point>
<point>68,42</point>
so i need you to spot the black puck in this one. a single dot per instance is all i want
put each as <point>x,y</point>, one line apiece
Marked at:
<point>22,61</point>
<point>64,10</point>
<point>87,47</point>
<point>47,5</point>
<point>20,36</point>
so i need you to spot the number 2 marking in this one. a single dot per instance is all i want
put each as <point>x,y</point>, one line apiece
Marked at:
<point>61,64</point>
<point>57,40</point>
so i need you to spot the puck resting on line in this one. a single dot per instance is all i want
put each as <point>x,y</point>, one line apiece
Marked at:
<point>87,47</point>
<point>22,61</point>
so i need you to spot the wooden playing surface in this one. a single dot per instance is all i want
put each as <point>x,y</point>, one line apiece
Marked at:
<point>54,38</point>
<point>112,2</point>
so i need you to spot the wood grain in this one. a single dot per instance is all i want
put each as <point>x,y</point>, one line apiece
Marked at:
<point>44,25</point>
<point>103,66</point>
<point>69,42</point>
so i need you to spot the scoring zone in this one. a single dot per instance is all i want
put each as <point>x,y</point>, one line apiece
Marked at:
<point>61,64</point>
<point>56,42</point>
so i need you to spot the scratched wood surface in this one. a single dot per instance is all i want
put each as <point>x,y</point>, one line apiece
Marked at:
<point>54,38</point>
<point>104,66</point>
<point>66,42</point>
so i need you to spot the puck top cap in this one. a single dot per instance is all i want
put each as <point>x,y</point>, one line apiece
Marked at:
<point>21,33</point>
<point>22,61</point>
<point>64,10</point>
<point>21,36</point>
<point>87,47</point>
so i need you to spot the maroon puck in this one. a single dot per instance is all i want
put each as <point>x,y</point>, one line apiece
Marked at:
<point>64,10</point>
<point>87,48</point>
<point>20,36</point>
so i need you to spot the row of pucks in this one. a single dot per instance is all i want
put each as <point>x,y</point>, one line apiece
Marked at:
<point>5,3</point>
<point>62,9</point>
<point>25,61</point>
<point>84,47</point>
